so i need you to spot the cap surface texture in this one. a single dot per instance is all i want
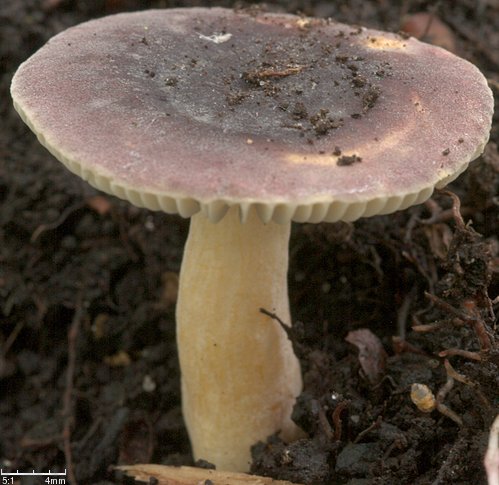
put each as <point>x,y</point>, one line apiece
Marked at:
<point>184,110</point>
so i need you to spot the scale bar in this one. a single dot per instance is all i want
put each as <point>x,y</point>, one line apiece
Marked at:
<point>17,473</point>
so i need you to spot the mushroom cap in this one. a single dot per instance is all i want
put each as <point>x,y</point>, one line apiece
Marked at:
<point>304,119</point>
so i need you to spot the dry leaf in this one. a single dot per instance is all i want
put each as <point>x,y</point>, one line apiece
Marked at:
<point>429,28</point>
<point>372,355</point>
<point>184,475</point>
<point>99,204</point>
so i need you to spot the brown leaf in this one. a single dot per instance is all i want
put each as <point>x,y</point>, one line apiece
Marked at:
<point>372,355</point>
<point>429,28</point>
<point>99,204</point>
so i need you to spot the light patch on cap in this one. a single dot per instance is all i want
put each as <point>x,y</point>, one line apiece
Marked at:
<point>324,159</point>
<point>417,102</point>
<point>396,138</point>
<point>385,43</point>
<point>304,23</point>
<point>375,148</point>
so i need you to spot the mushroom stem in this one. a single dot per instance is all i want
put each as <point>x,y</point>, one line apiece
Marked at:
<point>240,377</point>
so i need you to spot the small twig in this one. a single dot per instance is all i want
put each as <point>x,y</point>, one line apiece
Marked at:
<point>445,389</point>
<point>399,443</point>
<point>37,443</point>
<point>444,215</point>
<point>11,339</point>
<point>437,214</point>
<point>427,327</point>
<point>290,331</point>
<point>401,346</point>
<point>470,315</point>
<point>447,307</point>
<point>460,353</point>
<point>53,225</point>
<point>91,431</point>
<point>403,312</point>
<point>376,424</point>
<point>456,208</point>
<point>451,372</point>
<point>478,325</point>
<point>441,407</point>
<point>325,426</point>
<point>274,317</point>
<point>336,417</point>
<point>435,211</point>
<point>388,378</point>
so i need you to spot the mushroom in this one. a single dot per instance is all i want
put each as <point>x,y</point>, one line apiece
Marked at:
<point>245,122</point>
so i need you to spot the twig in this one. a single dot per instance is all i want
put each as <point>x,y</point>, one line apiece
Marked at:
<point>435,211</point>
<point>374,425</point>
<point>451,372</point>
<point>325,426</point>
<point>427,327</point>
<point>37,443</point>
<point>53,225</point>
<point>456,208</point>
<point>401,346</point>
<point>403,312</point>
<point>441,407</point>
<point>447,307</point>
<point>470,315</point>
<point>336,417</point>
<point>443,215</point>
<point>478,325</point>
<point>290,331</point>
<point>460,353</point>
<point>275,317</point>
<point>11,339</point>
<point>437,214</point>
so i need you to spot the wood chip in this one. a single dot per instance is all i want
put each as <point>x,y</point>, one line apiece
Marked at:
<point>184,475</point>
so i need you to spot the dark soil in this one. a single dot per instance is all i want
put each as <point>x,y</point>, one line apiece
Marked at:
<point>88,365</point>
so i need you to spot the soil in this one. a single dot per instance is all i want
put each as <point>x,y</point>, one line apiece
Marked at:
<point>88,366</point>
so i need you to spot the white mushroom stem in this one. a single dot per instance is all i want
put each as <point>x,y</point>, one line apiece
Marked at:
<point>240,376</point>
<point>491,460</point>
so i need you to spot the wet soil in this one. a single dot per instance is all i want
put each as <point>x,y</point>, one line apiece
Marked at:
<point>88,365</point>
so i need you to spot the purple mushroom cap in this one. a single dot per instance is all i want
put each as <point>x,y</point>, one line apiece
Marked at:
<point>194,109</point>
